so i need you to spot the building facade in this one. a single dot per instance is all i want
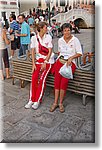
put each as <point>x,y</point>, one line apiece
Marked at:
<point>63,3</point>
<point>25,5</point>
<point>8,7</point>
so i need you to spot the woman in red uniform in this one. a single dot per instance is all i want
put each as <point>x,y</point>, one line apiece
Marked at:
<point>41,45</point>
<point>69,49</point>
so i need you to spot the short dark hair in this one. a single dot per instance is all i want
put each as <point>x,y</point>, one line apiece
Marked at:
<point>66,25</point>
<point>22,15</point>
<point>41,24</point>
<point>13,16</point>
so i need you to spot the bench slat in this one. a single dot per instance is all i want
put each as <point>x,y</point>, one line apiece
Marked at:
<point>83,82</point>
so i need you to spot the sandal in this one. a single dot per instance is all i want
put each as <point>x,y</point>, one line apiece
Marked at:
<point>61,107</point>
<point>9,77</point>
<point>53,107</point>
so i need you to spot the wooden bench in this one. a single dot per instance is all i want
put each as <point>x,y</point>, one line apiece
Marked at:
<point>83,82</point>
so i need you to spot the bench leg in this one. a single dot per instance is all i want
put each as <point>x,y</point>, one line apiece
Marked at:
<point>13,81</point>
<point>22,83</point>
<point>84,100</point>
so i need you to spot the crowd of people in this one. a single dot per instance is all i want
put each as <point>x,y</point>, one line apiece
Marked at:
<point>27,33</point>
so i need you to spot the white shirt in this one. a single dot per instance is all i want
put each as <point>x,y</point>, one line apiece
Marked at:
<point>69,49</point>
<point>45,41</point>
<point>41,18</point>
<point>37,20</point>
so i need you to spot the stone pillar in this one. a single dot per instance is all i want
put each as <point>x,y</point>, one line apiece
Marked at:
<point>43,4</point>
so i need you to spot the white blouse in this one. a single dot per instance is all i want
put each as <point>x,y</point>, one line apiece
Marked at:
<point>69,49</point>
<point>45,41</point>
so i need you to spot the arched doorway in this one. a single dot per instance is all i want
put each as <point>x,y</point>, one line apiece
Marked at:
<point>80,23</point>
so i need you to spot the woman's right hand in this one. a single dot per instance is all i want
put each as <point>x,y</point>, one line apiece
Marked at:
<point>33,68</point>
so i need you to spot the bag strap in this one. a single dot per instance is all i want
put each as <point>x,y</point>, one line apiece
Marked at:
<point>38,40</point>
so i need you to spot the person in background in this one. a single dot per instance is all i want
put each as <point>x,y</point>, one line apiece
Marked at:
<point>74,27</point>
<point>30,20</point>
<point>66,8</point>
<point>15,41</point>
<point>41,45</point>
<point>69,49</point>
<point>4,41</point>
<point>24,36</point>
<point>32,32</point>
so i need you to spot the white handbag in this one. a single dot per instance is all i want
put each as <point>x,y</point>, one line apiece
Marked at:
<point>66,71</point>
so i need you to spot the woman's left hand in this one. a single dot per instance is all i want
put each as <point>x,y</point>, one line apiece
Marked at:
<point>69,62</point>
<point>43,67</point>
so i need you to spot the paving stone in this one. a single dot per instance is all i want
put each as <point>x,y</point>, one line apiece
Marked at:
<point>14,133</point>
<point>14,118</point>
<point>87,133</point>
<point>6,126</point>
<point>46,121</point>
<point>57,137</point>
<point>6,111</point>
<point>34,136</point>
<point>14,91</point>
<point>8,100</point>
<point>17,103</point>
<point>72,124</point>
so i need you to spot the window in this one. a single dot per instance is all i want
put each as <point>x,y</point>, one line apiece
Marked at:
<point>13,13</point>
<point>3,15</point>
<point>78,1</point>
<point>62,2</point>
<point>90,2</point>
<point>56,3</point>
<point>82,1</point>
<point>13,3</point>
<point>39,3</point>
<point>68,2</point>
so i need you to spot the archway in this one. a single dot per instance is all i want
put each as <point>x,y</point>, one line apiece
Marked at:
<point>80,23</point>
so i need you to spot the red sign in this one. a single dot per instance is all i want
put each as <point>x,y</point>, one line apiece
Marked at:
<point>3,2</point>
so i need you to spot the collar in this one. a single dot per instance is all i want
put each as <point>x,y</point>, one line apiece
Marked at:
<point>42,37</point>
<point>23,22</point>
<point>70,39</point>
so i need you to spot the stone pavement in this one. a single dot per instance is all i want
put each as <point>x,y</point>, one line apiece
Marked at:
<point>76,124</point>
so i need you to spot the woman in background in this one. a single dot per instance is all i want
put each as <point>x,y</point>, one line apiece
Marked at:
<point>4,41</point>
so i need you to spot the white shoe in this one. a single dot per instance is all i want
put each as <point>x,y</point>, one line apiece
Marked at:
<point>29,104</point>
<point>35,105</point>
<point>10,57</point>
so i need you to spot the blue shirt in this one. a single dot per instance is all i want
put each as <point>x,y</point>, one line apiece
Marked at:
<point>25,29</point>
<point>14,26</point>
<point>31,21</point>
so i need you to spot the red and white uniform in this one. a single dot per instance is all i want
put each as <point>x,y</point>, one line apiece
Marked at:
<point>38,77</point>
<point>67,50</point>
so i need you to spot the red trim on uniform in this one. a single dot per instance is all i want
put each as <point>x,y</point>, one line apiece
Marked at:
<point>38,82</point>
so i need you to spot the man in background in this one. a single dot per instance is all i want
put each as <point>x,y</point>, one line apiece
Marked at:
<point>24,36</point>
<point>15,41</point>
